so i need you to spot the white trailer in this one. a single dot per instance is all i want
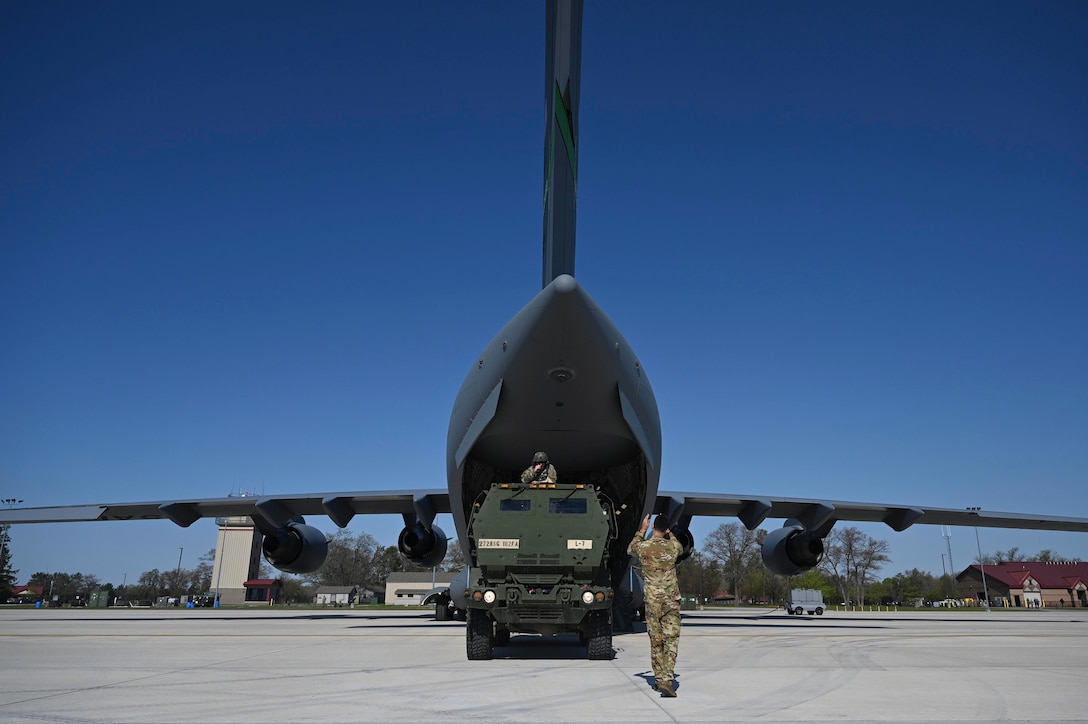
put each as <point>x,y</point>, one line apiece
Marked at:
<point>805,600</point>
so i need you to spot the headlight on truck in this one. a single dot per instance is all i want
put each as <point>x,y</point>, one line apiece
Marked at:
<point>587,597</point>
<point>489,597</point>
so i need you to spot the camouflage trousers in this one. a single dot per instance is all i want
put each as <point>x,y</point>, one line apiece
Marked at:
<point>663,625</point>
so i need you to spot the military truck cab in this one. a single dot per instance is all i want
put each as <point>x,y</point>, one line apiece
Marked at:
<point>539,565</point>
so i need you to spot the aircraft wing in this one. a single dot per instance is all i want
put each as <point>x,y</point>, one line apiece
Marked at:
<point>276,510</point>
<point>752,510</point>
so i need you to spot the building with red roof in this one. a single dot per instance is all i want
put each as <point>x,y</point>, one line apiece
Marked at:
<point>26,593</point>
<point>1027,584</point>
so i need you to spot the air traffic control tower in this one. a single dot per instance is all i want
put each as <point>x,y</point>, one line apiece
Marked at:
<point>237,558</point>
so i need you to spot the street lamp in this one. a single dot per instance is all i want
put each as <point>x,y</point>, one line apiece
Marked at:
<point>981,565</point>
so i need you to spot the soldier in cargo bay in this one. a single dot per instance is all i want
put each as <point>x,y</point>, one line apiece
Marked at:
<point>541,471</point>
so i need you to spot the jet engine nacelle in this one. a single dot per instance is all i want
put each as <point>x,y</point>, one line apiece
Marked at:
<point>295,548</point>
<point>423,547</point>
<point>684,537</point>
<point>791,550</point>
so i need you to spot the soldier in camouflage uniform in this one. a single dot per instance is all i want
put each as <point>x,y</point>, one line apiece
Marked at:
<point>541,471</point>
<point>658,555</point>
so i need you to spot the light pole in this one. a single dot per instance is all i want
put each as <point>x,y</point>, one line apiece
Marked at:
<point>981,565</point>
<point>219,562</point>
<point>946,531</point>
<point>177,575</point>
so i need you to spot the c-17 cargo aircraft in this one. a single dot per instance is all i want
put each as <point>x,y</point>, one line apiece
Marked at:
<point>544,556</point>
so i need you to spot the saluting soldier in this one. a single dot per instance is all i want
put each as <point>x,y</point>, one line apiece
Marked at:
<point>541,471</point>
<point>658,556</point>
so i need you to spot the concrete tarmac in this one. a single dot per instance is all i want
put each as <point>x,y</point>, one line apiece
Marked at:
<point>344,665</point>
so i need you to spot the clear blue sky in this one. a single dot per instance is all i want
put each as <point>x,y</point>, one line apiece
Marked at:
<point>256,246</point>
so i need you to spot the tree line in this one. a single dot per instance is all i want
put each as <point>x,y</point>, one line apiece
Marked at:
<point>729,569</point>
<point>7,573</point>
<point>729,562</point>
<point>353,560</point>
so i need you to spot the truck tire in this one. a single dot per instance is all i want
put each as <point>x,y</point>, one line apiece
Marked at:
<point>819,611</point>
<point>442,611</point>
<point>599,636</point>
<point>502,637</point>
<point>799,611</point>
<point>479,635</point>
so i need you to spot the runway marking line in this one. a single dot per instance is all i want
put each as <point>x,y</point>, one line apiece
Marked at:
<point>883,636</point>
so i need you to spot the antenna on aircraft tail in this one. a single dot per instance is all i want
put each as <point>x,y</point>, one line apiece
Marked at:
<point>562,79</point>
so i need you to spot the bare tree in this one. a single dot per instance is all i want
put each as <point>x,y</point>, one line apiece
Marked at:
<point>357,560</point>
<point>699,576</point>
<point>850,558</point>
<point>1013,554</point>
<point>1048,556</point>
<point>389,559</point>
<point>455,557</point>
<point>736,550</point>
<point>349,560</point>
<point>149,586</point>
<point>199,579</point>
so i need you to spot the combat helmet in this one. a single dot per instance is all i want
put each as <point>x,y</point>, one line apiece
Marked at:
<point>540,457</point>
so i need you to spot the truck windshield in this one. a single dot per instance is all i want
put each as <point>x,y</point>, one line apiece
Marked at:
<point>566,505</point>
<point>514,505</point>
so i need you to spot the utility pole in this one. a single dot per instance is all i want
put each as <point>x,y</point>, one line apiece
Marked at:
<point>981,565</point>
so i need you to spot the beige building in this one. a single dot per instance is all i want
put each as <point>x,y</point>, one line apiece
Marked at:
<point>409,589</point>
<point>237,559</point>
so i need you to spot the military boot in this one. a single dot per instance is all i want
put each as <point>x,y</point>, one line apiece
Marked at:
<point>665,687</point>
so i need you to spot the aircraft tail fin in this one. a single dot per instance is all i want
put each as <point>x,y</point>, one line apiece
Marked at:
<point>562,80</point>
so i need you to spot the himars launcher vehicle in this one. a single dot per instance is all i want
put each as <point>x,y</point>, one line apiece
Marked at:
<point>540,555</point>
<point>558,377</point>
